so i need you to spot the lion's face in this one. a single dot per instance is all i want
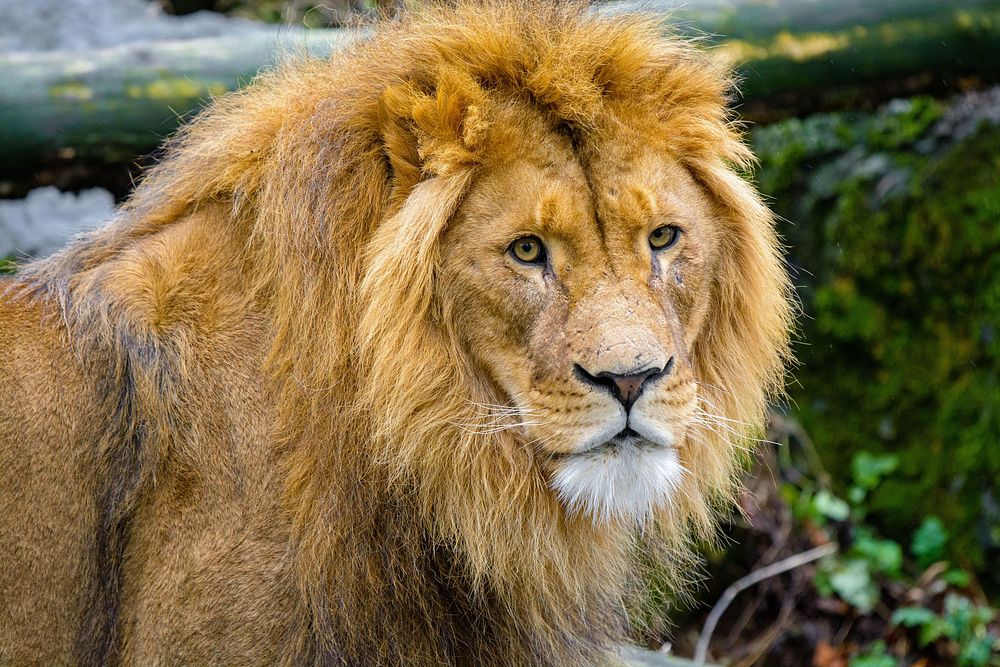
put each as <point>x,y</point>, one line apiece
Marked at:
<point>579,281</point>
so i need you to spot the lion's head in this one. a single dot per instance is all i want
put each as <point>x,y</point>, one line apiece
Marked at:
<point>579,278</point>
<point>525,317</point>
<point>570,258</point>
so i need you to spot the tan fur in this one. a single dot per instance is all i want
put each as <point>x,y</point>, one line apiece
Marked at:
<point>296,404</point>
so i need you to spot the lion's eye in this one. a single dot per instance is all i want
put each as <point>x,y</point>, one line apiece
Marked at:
<point>663,237</point>
<point>528,249</point>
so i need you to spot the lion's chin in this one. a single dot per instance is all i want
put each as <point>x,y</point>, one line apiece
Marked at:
<point>624,480</point>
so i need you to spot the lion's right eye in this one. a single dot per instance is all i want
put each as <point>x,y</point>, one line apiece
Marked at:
<point>664,237</point>
<point>528,249</point>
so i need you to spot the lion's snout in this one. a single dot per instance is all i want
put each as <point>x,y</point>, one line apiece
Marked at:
<point>625,387</point>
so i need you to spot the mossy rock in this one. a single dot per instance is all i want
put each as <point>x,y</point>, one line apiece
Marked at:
<point>893,222</point>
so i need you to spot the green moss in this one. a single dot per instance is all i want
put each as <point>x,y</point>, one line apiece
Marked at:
<point>73,91</point>
<point>895,242</point>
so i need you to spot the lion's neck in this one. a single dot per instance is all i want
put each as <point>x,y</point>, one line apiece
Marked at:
<point>524,586</point>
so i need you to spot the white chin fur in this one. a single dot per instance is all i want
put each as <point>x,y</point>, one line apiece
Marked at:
<point>628,481</point>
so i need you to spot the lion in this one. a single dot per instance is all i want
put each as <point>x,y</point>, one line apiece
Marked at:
<point>441,350</point>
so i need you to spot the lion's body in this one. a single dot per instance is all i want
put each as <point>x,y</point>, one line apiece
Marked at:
<point>47,428</point>
<point>205,569</point>
<point>242,424</point>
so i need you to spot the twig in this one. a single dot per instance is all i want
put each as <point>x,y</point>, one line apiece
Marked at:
<point>755,577</point>
<point>760,647</point>
<point>792,429</point>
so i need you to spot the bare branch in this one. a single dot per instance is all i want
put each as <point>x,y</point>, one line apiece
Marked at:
<point>755,577</point>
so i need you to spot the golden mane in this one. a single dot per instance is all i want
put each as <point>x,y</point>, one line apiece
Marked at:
<point>341,174</point>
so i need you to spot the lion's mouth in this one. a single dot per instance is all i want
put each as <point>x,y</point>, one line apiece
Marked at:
<point>625,434</point>
<point>626,439</point>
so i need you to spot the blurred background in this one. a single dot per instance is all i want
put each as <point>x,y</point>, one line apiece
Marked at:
<point>877,125</point>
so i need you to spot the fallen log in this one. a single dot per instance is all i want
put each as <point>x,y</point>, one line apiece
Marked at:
<point>111,105</point>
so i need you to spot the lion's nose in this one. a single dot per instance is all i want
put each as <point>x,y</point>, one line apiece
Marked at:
<point>626,387</point>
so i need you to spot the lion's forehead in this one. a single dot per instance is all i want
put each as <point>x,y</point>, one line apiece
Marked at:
<point>618,173</point>
<point>586,201</point>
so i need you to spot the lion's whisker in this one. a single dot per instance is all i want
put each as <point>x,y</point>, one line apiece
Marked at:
<point>700,437</point>
<point>721,418</point>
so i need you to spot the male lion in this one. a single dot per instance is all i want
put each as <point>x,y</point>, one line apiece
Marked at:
<point>423,354</point>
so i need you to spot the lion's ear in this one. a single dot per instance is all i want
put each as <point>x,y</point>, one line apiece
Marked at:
<point>431,131</point>
<point>399,139</point>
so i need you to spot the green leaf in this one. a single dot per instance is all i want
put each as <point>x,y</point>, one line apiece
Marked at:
<point>873,661</point>
<point>869,469</point>
<point>874,656</point>
<point>804,509</point>
<point>964,618</point>
<point>853,582</point>
<point>929,541</point>
<point>932,631</point>
<point>884,556</point>
<point>977,652</point>
<point>831,506</point>
<point>913,617</point>
<point>957,578</point>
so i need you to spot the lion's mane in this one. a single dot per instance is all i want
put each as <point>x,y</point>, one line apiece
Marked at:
<point>415,540</point>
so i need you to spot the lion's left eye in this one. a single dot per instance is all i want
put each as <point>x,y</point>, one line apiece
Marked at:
<point>664,237</point>
<point>528,250</point>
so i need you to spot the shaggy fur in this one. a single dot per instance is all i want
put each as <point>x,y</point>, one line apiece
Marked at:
<point>285,410</point>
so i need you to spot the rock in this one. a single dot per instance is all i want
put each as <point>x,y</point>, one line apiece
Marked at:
<point>46,219</point>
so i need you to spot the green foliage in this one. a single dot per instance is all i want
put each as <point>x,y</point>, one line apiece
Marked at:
<point>856,575</point>
<point>6,265</point>
<point>870,571</point>
<point>883,556</point>
<point>892,222</point>
<point>869,469</point>
<point>830,506</point>
<point>851,580</point>
<point>913,617</point>
<point>962,624</point>
<point>874,656</point>
<point>929,541</point>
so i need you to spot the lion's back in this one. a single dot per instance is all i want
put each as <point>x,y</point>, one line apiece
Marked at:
<point>48,426</point>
